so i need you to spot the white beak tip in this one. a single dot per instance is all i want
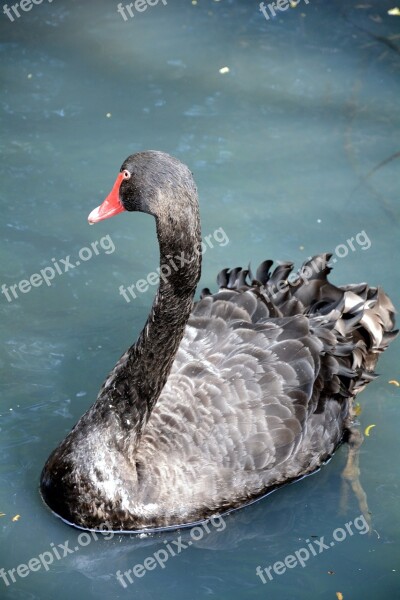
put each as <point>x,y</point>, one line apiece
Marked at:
<point>94,216</point>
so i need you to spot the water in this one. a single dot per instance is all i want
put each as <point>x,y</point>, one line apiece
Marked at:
<point>285,148</point>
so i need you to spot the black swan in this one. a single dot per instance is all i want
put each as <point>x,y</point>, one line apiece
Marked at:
<point>222,400</point>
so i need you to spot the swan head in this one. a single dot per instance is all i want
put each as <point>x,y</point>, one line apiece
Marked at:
<point>155,183</point>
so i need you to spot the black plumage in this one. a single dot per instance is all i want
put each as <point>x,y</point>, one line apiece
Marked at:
<point>219,402</point>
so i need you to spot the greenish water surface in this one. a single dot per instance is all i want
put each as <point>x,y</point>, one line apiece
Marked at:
<point>291,128</point>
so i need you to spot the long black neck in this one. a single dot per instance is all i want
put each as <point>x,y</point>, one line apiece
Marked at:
<point>134,386</point>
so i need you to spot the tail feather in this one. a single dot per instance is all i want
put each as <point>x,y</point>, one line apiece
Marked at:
<point>356,322</point>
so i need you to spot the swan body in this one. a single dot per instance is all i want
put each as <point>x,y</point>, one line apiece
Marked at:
<point>220,401</point>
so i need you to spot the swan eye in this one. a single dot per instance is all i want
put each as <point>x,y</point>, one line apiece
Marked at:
<point>126,174</point>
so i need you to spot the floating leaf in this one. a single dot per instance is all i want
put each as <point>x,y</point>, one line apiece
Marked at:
<point>394,382</point>
<point>2,514</point>
<point>224,70</point>
<point>16,518</point>
<point>368,429</point>
<point>394,11</point>
<point>339,595</point>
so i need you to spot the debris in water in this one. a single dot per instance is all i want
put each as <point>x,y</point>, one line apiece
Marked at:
<point>368,429</point>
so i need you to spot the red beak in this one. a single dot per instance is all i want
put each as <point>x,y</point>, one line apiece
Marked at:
<point>112,204</point>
